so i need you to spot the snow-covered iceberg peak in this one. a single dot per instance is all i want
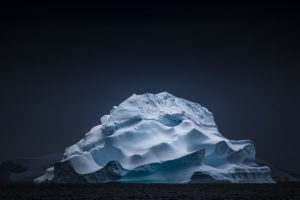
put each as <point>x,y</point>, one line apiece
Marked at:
<point>158,138</point>
<point>162,107</point>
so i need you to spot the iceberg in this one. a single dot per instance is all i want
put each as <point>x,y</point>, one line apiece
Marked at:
<point>157,138</point>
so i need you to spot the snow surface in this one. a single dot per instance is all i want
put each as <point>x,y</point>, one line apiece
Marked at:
<point>155,137</point>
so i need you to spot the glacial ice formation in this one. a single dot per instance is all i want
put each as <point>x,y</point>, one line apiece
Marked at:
<point>158,138</point>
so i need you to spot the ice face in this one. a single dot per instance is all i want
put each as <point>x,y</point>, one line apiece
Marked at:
<point>158,129</point>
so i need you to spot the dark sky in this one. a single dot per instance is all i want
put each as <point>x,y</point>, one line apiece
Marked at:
<point>64,66</point>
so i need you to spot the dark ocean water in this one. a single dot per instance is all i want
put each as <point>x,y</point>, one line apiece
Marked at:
<point>150,191</point>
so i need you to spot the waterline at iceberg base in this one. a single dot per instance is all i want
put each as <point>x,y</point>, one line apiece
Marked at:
<point>157,138</point>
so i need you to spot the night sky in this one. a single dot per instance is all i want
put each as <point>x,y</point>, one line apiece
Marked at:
<point>64,66</point>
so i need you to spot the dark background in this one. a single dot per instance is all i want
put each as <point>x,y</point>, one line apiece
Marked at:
<point>63,66</point>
